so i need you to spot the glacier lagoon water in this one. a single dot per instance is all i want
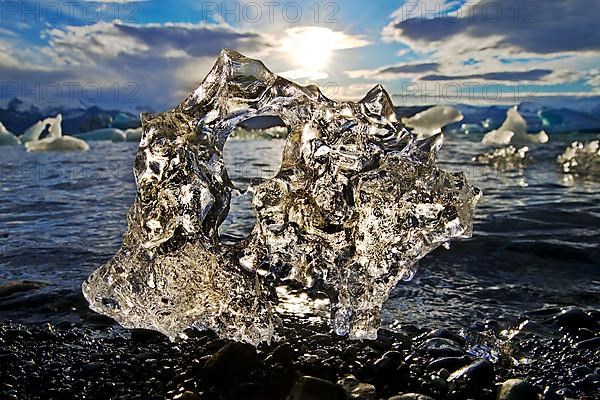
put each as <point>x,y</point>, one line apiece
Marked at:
<point>535,240</point>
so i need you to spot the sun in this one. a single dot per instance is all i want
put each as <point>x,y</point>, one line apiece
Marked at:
<point>310,50</point>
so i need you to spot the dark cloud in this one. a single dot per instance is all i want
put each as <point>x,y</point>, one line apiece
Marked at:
<point>162,61</point>
<point>410,68</point>
<point>533,75</point>
<point>542,27</point>
<point>195,40</point>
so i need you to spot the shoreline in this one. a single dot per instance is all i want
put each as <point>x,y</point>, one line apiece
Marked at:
<point>558,355</point>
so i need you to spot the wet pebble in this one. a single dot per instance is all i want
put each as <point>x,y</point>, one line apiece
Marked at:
<point>517,389</point>
<point>441,347</point>
<point>311,388</point>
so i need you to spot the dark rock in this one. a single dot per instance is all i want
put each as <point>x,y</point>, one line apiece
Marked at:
<point>91,368</point>
<point>449,363</point>
<point>565,392</point>
<point>574,319</point>
<point>145,336</point>
<point>447,334</point>
<point>187,395</point>
<point>311,388</point>
<point>233,362</point>
<point>283,354</point>
<point>441,347</point>
<point>411,396</point>
<point>517,389</point>
<point>16,286</point>
<point>357,390</point>
<point>474,376</point>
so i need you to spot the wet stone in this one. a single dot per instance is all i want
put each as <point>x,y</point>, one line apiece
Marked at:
<point>440,347</point>
<point>574,319</point>
<point>232,363</point>
<point>517,389</point>
<point>411,396</point>
<point>311,388</point>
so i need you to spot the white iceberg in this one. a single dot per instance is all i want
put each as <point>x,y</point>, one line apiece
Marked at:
<point>513,130</point>
<point>55,140</point>
<point>431,121</point>
<point>34,132</point>
<point>112,134</point>
<point>7,138</point>
<point>133,134</point>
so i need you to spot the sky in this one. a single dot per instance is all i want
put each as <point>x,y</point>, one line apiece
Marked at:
<point>149,55</point>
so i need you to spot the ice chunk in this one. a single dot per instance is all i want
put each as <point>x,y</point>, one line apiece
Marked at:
<point>133,134</point>
<point>356,203</point>
<point>581,158</point>
<point>55,130</point>
<point>55,140</point>
<point>7,138</point>
<point>513,130</point>
<point>115,135</point>
<point>63,143</point>
<point>431,121</point>
<point>34,132</point>
<point>505,157</point>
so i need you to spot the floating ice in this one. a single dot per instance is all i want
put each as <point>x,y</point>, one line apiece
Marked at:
<point>55,140</point>
<point>34,132</point>
<point>356,203</point>
<point>513,130</point>
<point>505,157</point>
<point>581,158</point>
<point>431,121</point>
<point>112,134</point>
<point>133,134</point>
<point>7,138</point>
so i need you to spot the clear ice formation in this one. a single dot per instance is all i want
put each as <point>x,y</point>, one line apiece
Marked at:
<point>514,130</point>
<point>581,158</point>
<point>505,157</point>
<point>357,202</point>
<point>431,121</point>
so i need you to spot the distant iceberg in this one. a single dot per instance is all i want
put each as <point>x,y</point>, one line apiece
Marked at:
<point>108,134</point>
<point>7,138</point>
<point>431,121</point>
<point>34,132</point>
<point>55,140</point>
<point>133,134</point>
<point>513,130</point>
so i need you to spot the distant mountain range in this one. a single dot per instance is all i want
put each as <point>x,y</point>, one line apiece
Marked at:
<point>17,116</point>
<point>554,115</point>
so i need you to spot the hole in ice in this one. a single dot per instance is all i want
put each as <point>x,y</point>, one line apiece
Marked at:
<point>253,152</point>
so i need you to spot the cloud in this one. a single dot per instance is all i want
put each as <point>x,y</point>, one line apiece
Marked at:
<point>410,68</point>
<point>553,42</point>
<point>114,39</point>
<point>531,75</point>
<point>164,61</point>
<point>549,27</point>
